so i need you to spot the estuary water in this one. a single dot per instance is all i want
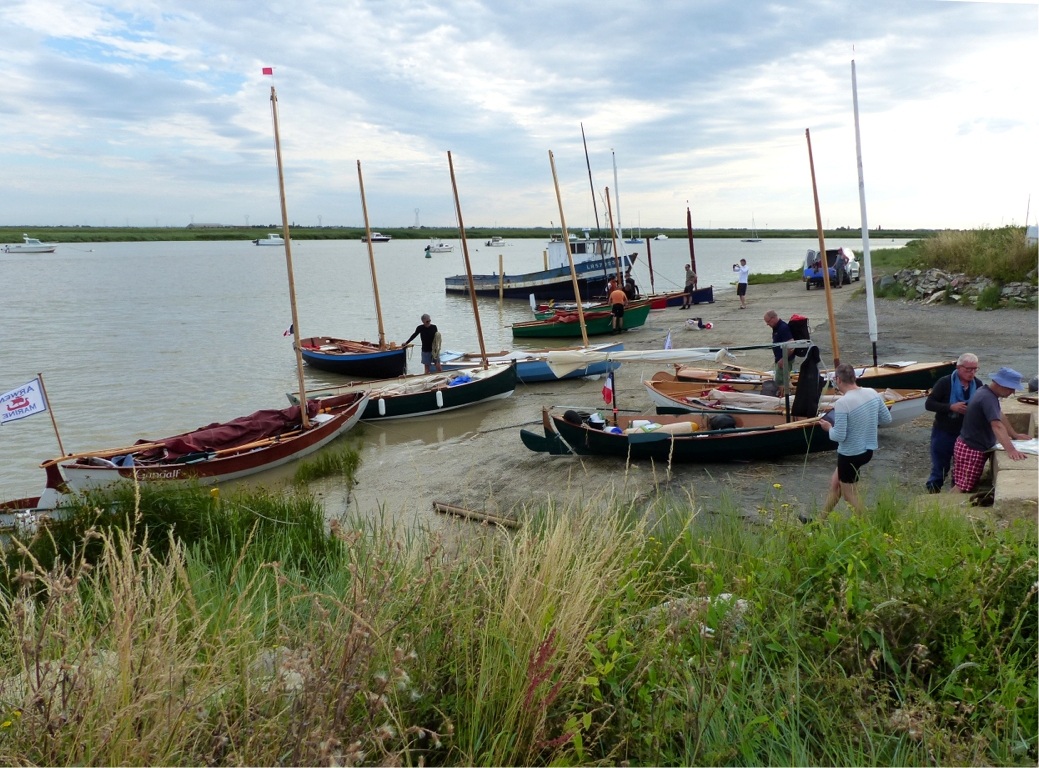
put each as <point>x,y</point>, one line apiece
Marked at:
<point>146,340</point>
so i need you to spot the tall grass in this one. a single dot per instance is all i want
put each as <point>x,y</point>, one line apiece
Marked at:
<point>591,635</point>
<point>1002,254</point>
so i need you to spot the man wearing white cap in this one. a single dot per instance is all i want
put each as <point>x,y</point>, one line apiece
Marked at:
<point>984,424</point>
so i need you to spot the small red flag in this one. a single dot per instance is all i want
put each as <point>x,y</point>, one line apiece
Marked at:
<point>268,70</point>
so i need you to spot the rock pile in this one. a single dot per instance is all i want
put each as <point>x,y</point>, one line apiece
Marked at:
<point>933,285</point>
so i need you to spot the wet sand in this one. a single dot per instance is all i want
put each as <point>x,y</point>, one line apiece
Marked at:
<point>474,457</point>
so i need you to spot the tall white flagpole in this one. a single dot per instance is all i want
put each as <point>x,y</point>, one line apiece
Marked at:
<point>867,265</point>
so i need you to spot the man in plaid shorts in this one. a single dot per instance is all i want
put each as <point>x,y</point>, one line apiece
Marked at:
<point>984,424</point>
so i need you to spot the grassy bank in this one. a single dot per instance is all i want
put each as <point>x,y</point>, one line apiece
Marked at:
<point>239,631</point>
<point>1001,254</point>
<point>476,235</point>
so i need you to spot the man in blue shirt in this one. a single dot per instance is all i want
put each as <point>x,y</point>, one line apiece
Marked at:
<point>780,332</point>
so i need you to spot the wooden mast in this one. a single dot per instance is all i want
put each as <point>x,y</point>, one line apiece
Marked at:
<point>468,268</point>
<point>47,401</point>
<point>371,259</point>
<point>288,264</point>
<point>595,206</point>
<point>822,253</point>
<point>649,260</point>
<point>569,254</point>
<point>613,236</point>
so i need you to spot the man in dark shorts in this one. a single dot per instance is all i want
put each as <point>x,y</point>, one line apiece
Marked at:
<point>856,416</point>
<point>983,424</point>
<point>690,286</point>
<point>617,301</point>
<point>427,332</point>
<point>780,332</point>
<point>741,281</point>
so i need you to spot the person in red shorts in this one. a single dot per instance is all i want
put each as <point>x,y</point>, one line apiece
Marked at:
<point>983,424</point>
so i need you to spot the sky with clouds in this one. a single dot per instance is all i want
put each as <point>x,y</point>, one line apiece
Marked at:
<point>151,111</point>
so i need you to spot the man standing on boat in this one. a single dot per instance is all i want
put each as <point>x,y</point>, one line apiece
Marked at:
<point>856,416</point>
<point>427,332</point>
<point>780,332</point>
<point>741,281</point>
<point>983,424</point>
<point>618,299</point>
<point>948,401</point>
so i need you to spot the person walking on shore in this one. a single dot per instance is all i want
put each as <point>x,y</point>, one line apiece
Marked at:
<point>780,332</point>
<point>983,424</point>
<point>856,416</point>
<point>741,281</point>
<point>948,401</point>
<point>428,334</point>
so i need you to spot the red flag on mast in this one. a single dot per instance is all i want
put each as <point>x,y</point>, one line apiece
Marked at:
<point>268,70</point>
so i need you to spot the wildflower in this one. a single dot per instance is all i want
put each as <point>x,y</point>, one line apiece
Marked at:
<point>784,506</point>
<point>777,486</point>
<point>6,724</point>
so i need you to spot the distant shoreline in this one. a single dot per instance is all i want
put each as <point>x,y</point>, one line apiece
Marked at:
<point>87,234</point>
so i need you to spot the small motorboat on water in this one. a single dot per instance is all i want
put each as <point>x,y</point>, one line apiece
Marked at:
<point>272,239</point>
<point>435,246</point>
<point>660,237</point>
<point>377,237</point>
<point>31,245</point>
<point>497,242</point>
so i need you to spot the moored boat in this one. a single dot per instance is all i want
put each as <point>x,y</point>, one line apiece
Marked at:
<point>532,365</point>
<point>435,246</point>
<point>217,452</point>
<point>376,237</point>
<point>354,358</point>
<point>497,242</point>
<point>425,394</point>
<point>567,325</point>
<point>272,238</point>
<point>31,245</point>
<point>677,298</point>
<point>899,375</point>
<point>681,438</point>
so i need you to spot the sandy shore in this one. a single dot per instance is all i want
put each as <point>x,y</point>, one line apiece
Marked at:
<point>474,458</point>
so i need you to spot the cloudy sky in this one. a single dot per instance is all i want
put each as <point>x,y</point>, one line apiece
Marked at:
<point>145,111</point>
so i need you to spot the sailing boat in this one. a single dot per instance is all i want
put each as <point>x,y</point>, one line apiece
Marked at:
<point>421,395</point>
<point>636,240</point>
<point>221,451</point>
<point>753,232</point>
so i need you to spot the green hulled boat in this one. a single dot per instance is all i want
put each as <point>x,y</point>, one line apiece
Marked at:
<point>567,326</point>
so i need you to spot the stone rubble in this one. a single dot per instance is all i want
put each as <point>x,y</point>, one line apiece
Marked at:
<point>931,286</point>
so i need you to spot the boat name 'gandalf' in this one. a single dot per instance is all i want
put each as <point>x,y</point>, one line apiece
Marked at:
<point>593,263</point>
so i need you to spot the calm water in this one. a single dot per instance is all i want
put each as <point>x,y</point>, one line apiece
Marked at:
<point>151,339</point>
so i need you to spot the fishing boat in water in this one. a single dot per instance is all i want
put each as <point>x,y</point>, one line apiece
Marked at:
<point>438,246</point>
<point>31,245</point>
<point>564,324</point>
<point>532,365</point>
<point>593,263</point>
<point>362,359</point>
<point>376,237</point>
<point>497,242</point>
<point>272,239</point>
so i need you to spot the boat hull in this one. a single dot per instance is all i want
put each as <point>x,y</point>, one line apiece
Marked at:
<point>592,280</point>
<point>373,364</point>
<point>634,317</point>
<point>532,371</point>
<point>915,376</point>
<point>712,446</point>
<point>677,298</point>
<point>30,249</point>
<point>86,477</point>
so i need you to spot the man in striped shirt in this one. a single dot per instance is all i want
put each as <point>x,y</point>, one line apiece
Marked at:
<point>856,416</point>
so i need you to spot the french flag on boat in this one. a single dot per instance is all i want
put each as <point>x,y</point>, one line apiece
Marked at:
<point>289,331</point>
<point>607,389</point>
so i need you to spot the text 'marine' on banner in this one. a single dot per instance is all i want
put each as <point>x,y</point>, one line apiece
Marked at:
<point>26,400</point>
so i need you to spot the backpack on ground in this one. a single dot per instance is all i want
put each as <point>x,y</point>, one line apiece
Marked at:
<point>800,330</point>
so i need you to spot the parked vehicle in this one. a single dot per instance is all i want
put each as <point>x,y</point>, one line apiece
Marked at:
<point>839,261</point>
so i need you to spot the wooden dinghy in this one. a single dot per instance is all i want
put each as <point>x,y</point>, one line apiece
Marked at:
<point>680,438</point>
<point>363,359</point>
<point>216,452</point>
<point>566,325</point>
<point>672,396</point>
<point>532,365</point>
<point>677,298</point>
<point>904,375</point>
<point>425,394</point>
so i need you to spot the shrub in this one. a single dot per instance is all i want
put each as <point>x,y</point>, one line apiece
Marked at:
<point>1002,254</point>
<point>989,298</point>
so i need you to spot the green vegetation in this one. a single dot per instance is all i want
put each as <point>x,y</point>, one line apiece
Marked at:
<point>1001,254</point>
<point>342,461</point>
<point>789,276</point>
<point>989,298</point>
<point>476,235</point>
<point>189,628</point>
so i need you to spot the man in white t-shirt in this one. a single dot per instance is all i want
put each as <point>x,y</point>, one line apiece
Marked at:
<point>741,281</point>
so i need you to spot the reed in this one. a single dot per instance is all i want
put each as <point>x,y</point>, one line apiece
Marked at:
<point>594,634</point>
<point>340,461</point>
